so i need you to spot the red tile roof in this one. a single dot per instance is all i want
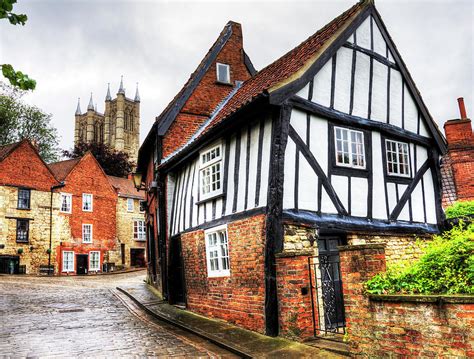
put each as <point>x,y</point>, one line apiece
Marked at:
<point>449,194</point>
<point>125,187</point>
<point>6,149</point>
<point>62,168</point>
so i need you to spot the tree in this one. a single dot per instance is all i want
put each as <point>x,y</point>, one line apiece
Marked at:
<point>114,163</point>
<point>16,78</point>
<point>19,121</point>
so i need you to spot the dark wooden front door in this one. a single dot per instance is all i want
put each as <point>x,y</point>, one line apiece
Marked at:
<point>176,284</point>
<point>137,257</point>
<point>82,261</point>
<point>331,283</point>
<point>9,264</point>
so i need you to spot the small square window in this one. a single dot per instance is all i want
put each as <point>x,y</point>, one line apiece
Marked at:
<point>24,198</point>
<point>350,151</point>
<point>68,261</point>
<point>130,205</point>
<point>66,203</point>
<point>87,233</point>
<point>223,73</point>
<point>398,161</point>
<point>22,230</point>
<point>87,202</point>
<point>139,232</point>
<point>94,261</point>
<point>217,252</point>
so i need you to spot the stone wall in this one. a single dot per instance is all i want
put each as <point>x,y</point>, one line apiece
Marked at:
<point>401,326</point>
<point>238,298</point>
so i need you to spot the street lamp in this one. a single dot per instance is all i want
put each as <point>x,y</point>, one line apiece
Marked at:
<point>137,180</point>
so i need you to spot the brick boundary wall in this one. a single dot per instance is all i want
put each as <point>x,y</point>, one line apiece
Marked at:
<point>404,325</point>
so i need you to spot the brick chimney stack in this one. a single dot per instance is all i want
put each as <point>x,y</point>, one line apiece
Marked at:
<point>460,140</point>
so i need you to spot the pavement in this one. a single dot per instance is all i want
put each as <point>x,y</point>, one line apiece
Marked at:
<point>241,342</point>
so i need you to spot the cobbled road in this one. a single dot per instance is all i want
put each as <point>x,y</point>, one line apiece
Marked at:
<point>83,317</point>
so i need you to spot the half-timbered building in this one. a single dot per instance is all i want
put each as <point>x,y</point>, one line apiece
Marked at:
<point>257,177</point>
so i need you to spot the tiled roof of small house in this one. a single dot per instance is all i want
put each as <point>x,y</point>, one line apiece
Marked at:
<point>125,187</point>
<point>448,187</point>
<point>6,149</point>
<point>62,168</point>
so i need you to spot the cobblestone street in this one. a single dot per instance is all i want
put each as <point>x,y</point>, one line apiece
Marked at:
<point>83,316</point>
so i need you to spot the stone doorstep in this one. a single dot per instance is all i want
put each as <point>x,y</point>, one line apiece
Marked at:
<point>242,342</point>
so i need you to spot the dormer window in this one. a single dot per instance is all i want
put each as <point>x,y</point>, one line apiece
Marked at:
<point>211,171</point>
<point>223,73</point>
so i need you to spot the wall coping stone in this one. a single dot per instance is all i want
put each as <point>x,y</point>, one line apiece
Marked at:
<point>415,298</point>
<point>358,247</point>
<point>306,252</point>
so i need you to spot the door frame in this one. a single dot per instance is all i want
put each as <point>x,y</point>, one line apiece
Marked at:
<point>176,257</point>
<point>86,256</point>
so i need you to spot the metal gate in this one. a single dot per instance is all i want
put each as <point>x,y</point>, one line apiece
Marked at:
<point>326,288</point>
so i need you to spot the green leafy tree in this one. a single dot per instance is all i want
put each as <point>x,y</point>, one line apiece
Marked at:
<point>16,78</point>
<point>19,120</point>
<point>114,163</point>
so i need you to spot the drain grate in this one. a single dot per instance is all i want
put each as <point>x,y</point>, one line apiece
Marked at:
<point>72,310</point>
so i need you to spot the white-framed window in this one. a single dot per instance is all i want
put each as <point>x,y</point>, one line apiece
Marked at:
<point>130,204</point>
<point>211,171</point>
<point>139,232</point>
<point>217,252</point>
<point>142,206</point>
<point>87,233</point>
<point>87,202</point>
<point>223,73</point>
<point>68,261</point>
<point>350,151</point>
<point>66,203</point>
<point>398,160</point>
<point>94,261</point>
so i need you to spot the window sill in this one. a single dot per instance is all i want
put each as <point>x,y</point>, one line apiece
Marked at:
<point>217,196</point>
<point>23,209</point>
<point>23,242</point>
<point>225,83</point>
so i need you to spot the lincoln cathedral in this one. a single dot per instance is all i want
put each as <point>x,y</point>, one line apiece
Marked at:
<point>118,126</point>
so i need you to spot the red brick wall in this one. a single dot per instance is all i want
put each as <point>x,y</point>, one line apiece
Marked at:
<point>88,177</point>
<point>24,167</point>
<point>400,326</point>
<point>239,298</point>
<point>208,93</point>
<point>295,311</point>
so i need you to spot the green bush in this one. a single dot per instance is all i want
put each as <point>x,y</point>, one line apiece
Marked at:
<point>446,267</point>
<point>460,209</point>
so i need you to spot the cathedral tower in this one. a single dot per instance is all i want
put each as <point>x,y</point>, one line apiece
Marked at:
<point>118,126</point>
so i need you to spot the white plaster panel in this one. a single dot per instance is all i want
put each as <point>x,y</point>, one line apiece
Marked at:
<point>379,92</point>
<point>242,171</point>
<point>298,122</point>
<point>230,177</point>
<point>201,213</point>
<point>390,56</point>
<point>379,209</point>
<point>412,159</point>
<point>392,196</point>
<point>176,204</point>
<point>411,111</point>
<point>421,155</point>
<point>405,213</point>
<point>430,198</point>
<point>170,184</point>
<point>424,128</point>
<point>322,85</point>
<point>380,45</point>
<point>208,211</point>
<point>265,168</point>
<point>195,193</point>
<point>340,185</point>
<point>351,39</point>
<point>187,203</point>
<point>363,34</point>
<point>253,165</point>
<point>326,204</point>
<point>319,140</point>
<point>342,90</point>
<point>359,193</point>
<point>218,208</point>
<point>361,86</point>
<point>304,92</point>
<point>289,181</point>
<point>417,204</point>
<point>308,186</point>
<point>396,98</point>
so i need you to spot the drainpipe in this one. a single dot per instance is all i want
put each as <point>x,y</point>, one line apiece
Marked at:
<point>61,185</point>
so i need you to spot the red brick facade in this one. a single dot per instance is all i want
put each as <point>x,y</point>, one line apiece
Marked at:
<point>238,298</point>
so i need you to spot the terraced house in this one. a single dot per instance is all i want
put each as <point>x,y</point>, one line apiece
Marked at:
<point>255,178</point>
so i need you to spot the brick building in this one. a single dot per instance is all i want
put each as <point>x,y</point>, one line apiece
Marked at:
<point>255,178</point>
<point>457,166</point>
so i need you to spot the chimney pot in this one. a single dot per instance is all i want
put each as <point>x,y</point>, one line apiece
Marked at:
<point>462,108</point>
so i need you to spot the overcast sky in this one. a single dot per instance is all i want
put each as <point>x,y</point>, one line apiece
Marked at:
<point>73,48</point>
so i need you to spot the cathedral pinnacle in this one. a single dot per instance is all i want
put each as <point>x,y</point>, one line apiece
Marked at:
<point>91,104</point>
<point>137,95</point>
<point>121,89</point>
<point>78,109</point>
<point>108,97</point>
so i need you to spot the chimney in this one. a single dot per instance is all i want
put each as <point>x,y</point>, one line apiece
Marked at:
<point>459,131</point>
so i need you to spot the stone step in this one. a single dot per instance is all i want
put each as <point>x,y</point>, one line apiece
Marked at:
<point>335,345</point>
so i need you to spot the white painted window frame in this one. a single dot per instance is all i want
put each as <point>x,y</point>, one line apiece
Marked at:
<point>208,165</point>
<point>96,269</point>
<point>349,165</point>
<point>92,237</point>
<point>67,195</point>
<point>404,145</point>
<point>64,269</point>
<point>84,196</point>
<point>207,236</point>
<point>227,67</point>
<point>132,207</point>
<point>136,233</point>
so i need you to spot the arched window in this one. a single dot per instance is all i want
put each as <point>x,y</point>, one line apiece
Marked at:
<point>131,120</point>
<point>126,121</point>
